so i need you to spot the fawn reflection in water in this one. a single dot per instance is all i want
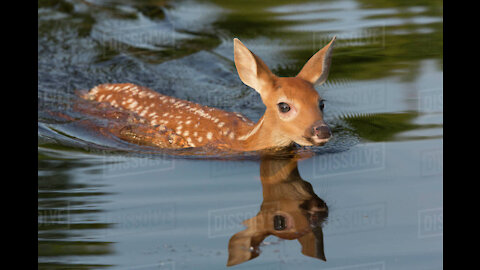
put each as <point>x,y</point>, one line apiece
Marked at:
<point>290,210</point>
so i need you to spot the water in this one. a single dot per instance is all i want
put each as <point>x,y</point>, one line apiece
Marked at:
<point>105,203</point>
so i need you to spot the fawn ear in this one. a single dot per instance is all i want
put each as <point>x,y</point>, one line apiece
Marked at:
<point>312,244</point>
<point>316,69</point>
<point>251,69</point>
<point>243,246</point>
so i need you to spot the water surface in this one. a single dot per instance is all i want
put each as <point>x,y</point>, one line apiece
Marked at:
<point>105,203</point>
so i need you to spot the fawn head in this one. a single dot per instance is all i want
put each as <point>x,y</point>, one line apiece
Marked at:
<point>294,109</point>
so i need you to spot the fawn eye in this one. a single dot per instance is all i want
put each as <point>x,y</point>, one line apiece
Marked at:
<point>321,105</point>
<point>279,223</point>
<point>283,107</point>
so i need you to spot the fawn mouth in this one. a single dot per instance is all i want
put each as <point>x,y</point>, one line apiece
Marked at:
<point>315,140</point>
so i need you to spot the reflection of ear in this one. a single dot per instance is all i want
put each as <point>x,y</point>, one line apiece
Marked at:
<point>312,244</point>
<point>243,246</point>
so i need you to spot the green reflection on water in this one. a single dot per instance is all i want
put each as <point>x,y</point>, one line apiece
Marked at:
<point>385,126</point>
<point>63,208</point>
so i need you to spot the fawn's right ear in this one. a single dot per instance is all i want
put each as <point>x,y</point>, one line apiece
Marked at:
<point>251,69</point>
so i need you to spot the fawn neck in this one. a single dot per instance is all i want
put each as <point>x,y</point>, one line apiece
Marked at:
<point>263,136</point>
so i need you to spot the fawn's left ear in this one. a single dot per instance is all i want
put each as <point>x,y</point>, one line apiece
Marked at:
<point>316,69</point>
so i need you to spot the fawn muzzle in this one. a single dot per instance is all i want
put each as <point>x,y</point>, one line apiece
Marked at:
<point>321,132</point>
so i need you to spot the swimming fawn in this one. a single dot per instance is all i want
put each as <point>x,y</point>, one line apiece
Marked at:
<point>294,109</point>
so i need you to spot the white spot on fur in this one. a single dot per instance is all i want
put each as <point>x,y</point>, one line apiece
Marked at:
<point>94,91</point>
<point>133,105</point>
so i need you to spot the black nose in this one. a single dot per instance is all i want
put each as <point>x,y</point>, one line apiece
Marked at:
<point>322,131</point>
